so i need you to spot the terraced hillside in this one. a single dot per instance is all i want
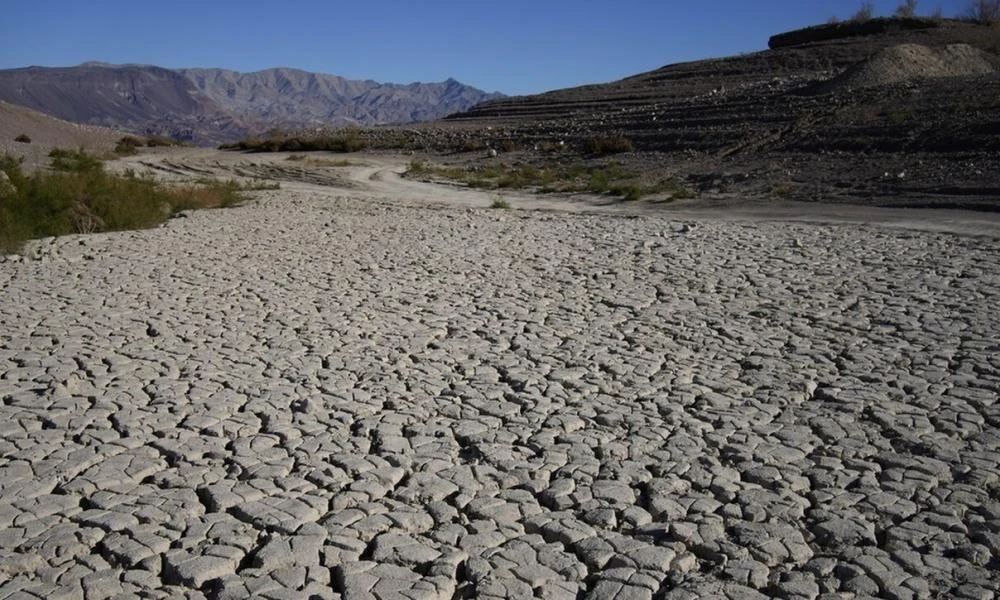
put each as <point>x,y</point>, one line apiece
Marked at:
<point>787,119</point>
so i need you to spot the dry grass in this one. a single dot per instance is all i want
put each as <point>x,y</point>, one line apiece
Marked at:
<point>608,178</point>
<point>316,161</point>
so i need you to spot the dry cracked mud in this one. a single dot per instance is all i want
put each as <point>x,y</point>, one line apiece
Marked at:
<point>338,394</point>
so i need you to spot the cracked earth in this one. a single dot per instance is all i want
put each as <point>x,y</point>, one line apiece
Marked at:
<point>345,393</point>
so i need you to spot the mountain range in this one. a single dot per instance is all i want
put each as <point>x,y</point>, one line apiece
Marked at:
<point>215,105</point>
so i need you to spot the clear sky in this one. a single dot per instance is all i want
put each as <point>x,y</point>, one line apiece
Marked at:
<point>511,46</point>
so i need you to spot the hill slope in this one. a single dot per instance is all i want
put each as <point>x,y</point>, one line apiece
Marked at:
<point>45,133</point>
<point>797,117</point>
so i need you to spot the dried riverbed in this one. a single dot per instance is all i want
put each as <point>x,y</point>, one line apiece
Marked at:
<point>338,394</point>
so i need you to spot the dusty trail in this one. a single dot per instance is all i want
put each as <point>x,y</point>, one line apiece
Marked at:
<point>339,392</point>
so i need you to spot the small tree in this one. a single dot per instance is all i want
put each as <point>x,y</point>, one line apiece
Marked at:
<point>865,13</point>
<point>907,10</point>
<point>984,11</point>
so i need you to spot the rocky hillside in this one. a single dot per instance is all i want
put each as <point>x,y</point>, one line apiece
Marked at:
<point>889,111</point>
<point>213,105</point>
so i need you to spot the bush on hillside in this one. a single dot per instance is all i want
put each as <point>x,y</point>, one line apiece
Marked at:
<point>906,10</point>
<point>865,13</point>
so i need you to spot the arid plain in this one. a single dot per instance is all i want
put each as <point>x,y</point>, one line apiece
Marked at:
<point>365,386</point>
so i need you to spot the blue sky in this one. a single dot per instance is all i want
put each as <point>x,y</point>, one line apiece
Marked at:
<point>511,46</point>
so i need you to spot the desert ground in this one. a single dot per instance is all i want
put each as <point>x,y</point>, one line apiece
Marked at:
<point>365,386</point>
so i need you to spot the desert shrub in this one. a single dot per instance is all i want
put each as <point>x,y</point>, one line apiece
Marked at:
<point>500,202</point>
<point>23,138</point>
<point>418,167</point>
<point>321,162</point>
<point>984,11</point>
<point>159,140</point>
<point>629,193</point>
<point>74,161</point>
<point>609,178</point>
<point>128,145</point>
<point>206,194</point>
<point>81,197</point>
<point>507,146</point>
<point>865,13</point>
<point>472,145</point>
<point>676,189</point>
<point>347,140</point>
<point>906,10</point>
<point>603,146</point>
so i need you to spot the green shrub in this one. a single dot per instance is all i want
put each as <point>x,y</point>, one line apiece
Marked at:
<point>500,202</point>
<point>23,138</point>
<point>347,140</point>
<point>74,161</point>
<point>80,197</point>
<point>629,193</point>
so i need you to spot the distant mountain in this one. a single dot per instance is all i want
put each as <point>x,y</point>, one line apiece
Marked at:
<point>213,105</point>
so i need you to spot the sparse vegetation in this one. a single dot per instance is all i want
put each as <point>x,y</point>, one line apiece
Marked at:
<point>348,140</point>
<point>159,140</point>
<point>609,178</point>
<point>984,11</point>
<point>23,138</point>
<point>906,10</point>
<point>865,13</point>
<point>239,186</point>
<point>128,145</point>
<point>74,161</point>
<point>603,146</point>
<point>500,202</point>
<point>316,161</point>
<point>81,197</point>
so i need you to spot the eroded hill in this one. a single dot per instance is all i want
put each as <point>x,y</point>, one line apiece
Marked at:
<point>839,112</point>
